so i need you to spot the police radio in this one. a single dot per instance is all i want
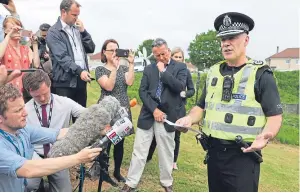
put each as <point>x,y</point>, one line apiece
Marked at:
<point>228,85</point>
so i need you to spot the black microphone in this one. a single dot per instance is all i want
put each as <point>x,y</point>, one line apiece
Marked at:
<point>118,131</point>
<point>122,112</point>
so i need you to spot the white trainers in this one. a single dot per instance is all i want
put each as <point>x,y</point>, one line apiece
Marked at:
<point>175,166</point>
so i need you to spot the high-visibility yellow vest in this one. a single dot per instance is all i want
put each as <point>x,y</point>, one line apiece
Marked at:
<point>246,115</point>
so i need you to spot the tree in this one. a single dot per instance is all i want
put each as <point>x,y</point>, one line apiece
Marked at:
<point>187,60</point>
<point>148,45</point>
<point>204,50</point>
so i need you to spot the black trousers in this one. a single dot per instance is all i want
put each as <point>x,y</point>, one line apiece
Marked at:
<point>118,155</point>
<point>176,150</point>
<point>78,94</point>
<point>231,170</point>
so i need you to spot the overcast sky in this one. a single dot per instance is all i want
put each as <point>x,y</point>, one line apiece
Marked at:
<point>277,22</point>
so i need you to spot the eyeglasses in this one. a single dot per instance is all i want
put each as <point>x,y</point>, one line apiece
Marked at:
<point>158,42</point>
<point>113,51</point>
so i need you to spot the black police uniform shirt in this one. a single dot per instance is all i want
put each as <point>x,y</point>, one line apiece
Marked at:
<point>265,87</point>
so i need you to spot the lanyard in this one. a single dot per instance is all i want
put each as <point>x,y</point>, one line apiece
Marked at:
<point>7,137</point>
<point>50,113</point>
<point>72,36</point>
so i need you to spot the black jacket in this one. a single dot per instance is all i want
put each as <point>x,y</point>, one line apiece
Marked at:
<point>174,81</point>
<point>190,90</point>
<point>189,86</point>
<point>64,68</point>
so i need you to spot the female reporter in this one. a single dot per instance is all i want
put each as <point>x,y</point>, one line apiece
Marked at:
<point>114,79</point>
<point>16,56</point>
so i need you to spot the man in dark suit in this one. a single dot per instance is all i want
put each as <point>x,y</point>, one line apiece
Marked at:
<point>160,93</point>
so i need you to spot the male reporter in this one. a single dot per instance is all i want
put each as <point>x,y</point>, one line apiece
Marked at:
<point>16,144</point>
<point>53,111</point>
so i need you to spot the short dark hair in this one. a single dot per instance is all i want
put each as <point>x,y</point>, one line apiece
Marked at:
<point>159,42</point>
<point>44,27</point>
<point>33,80</point>
<point>66,4</point>
<point>103,57</point>
<point>8,92</point>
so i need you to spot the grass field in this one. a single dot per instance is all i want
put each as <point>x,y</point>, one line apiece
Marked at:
<point>279,171</point>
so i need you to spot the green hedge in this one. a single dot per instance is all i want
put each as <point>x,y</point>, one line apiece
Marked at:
<point>289,131</point>
<point>288,86</point>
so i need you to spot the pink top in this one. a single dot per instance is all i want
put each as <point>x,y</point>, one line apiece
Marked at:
<point>13,61</point>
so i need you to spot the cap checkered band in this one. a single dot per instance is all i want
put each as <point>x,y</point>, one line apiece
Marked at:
<point>234,26</point>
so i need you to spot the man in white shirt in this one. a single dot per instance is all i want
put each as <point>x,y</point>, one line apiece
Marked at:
<point>69,43</point>
<point>48,110</point>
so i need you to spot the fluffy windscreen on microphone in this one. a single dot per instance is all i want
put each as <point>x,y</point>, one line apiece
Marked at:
<point>87,127</point>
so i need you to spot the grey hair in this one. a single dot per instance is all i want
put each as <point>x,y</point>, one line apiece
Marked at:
<point>32,81</point>
<point>66,4</point>
<point>159,42</point>
<point>177,50</point>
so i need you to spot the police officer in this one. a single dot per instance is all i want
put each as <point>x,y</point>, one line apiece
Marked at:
<point>240,97</point>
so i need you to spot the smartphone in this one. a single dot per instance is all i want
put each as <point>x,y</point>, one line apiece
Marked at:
<point>122,53</point>
<point>23,70</point>
<point>26,33</point>
<point>4,2</point>
<point>77,25</point>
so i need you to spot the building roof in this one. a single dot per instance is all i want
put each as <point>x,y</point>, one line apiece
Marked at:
<point>287,53</point>
<point>96,56</point>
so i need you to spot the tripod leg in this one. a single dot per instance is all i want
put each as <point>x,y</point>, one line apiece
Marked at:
<point>81,177</point>
<point>100,181</point>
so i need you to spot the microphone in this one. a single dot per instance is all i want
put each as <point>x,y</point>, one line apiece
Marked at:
<point>123,112</point>
<point>88,127</point>
<point>133,102</point>
<point>118,131</point>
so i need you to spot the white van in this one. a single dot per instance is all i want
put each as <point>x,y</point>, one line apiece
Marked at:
<point>140,63</point>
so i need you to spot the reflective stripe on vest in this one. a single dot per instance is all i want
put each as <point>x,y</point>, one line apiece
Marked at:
<point>235,109</point>
<point>233,128</point>
<point>240,108</point>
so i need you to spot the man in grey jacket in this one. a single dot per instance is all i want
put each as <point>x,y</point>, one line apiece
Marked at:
<point>69,42</point>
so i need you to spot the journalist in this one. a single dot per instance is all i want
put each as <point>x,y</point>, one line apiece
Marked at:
<point>17,140</point>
